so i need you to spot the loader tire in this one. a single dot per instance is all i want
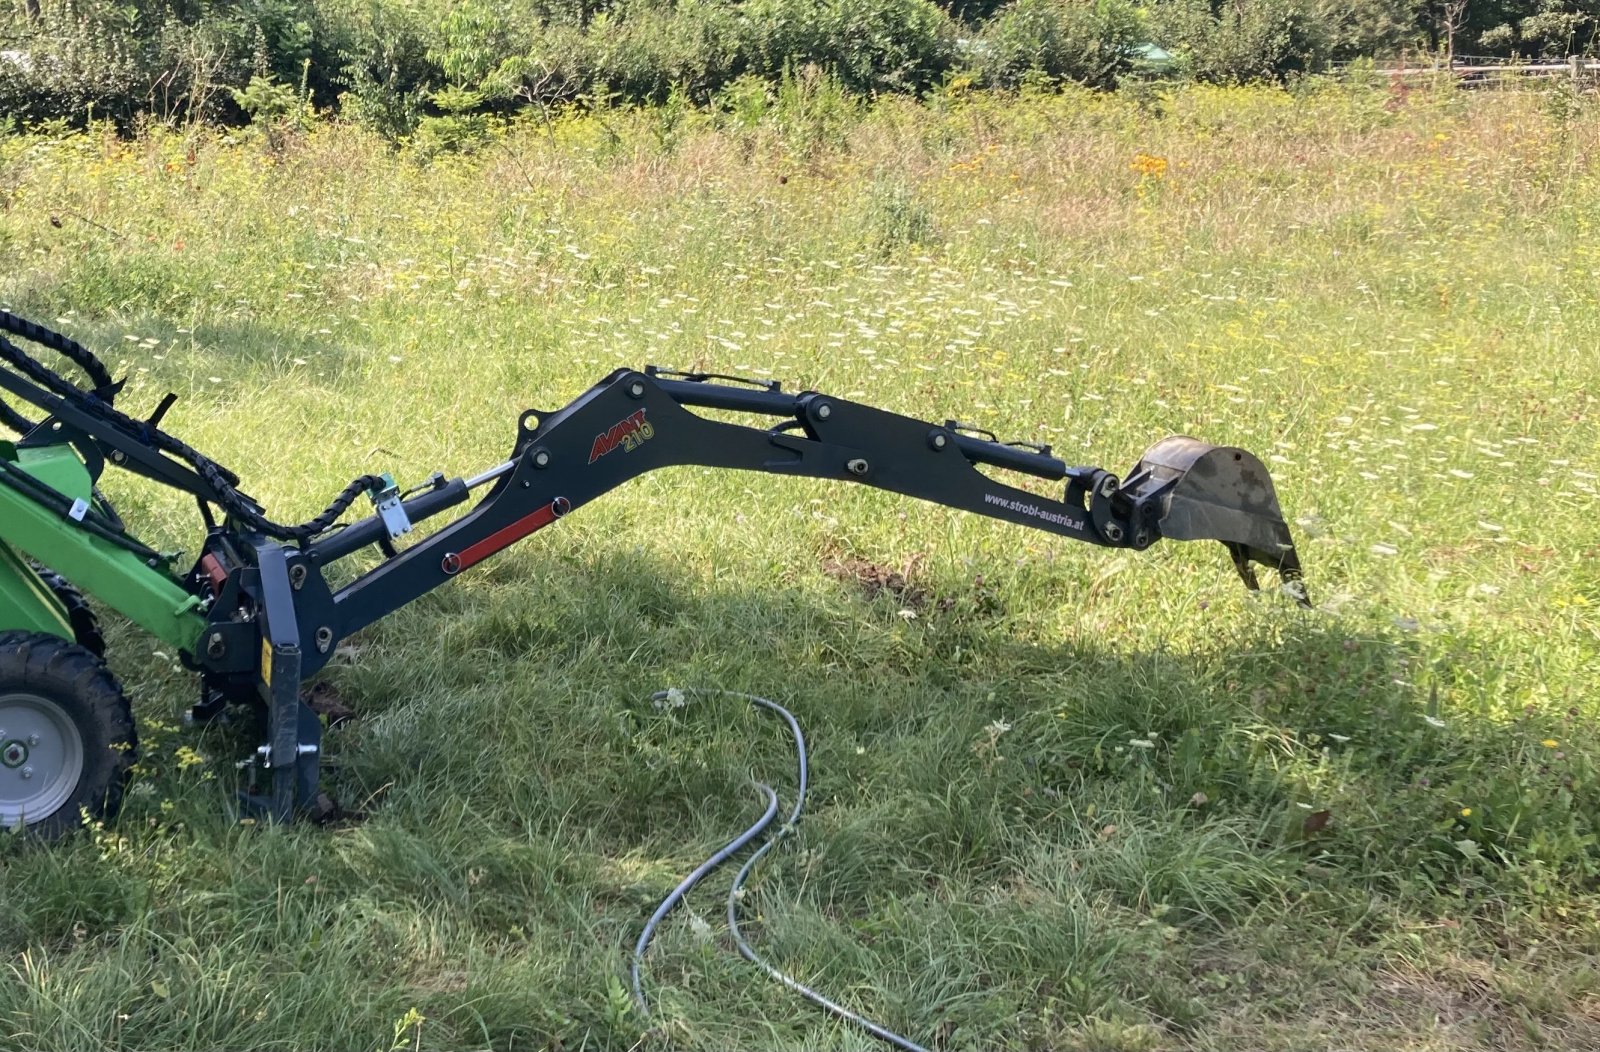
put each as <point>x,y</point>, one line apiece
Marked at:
<point>85,625</point>
<point>67,739</point>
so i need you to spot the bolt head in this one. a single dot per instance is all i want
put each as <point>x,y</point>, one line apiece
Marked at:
<point>33,740</point>
<point>636,389</point>
<point>940,441</point>
<point>541,459</point>
<point>27,772</point>
<point>824,411</point>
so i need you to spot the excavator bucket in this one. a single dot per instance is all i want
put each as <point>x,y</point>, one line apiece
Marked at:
<point>1223,494</point>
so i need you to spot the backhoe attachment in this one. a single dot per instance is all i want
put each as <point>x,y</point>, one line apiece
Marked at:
<point>257,612</point>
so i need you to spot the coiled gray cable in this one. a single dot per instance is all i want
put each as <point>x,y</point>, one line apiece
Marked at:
<point>735,891</point>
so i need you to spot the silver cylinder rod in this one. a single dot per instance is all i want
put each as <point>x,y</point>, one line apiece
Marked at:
<point>489,476</point>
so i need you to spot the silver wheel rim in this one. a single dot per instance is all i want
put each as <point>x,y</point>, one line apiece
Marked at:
<point>41,758</point>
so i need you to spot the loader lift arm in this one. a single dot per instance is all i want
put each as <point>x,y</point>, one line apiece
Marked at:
<point>256,615</point>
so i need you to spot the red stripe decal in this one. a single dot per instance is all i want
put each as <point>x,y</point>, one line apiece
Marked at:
<point>507,536</point>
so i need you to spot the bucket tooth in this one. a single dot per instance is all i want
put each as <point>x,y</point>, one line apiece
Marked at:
<point>1222,493</point>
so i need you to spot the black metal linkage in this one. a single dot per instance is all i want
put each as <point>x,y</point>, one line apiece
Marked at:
<point>126,448</point>
<point>632,423</point>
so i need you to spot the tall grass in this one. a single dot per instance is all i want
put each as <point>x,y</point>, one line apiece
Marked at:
<point>1063,799</point>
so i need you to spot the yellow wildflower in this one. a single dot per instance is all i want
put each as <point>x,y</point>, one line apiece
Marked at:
<point>1150,165</point>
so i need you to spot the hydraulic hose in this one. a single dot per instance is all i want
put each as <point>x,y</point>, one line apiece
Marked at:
<point>735,892</point>
<point>91,520</point>
<point>687,883</point>
<point>222,481</point>
<point>72,350</point>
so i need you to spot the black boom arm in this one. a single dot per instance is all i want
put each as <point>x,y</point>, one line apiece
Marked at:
<point>275,620</point>
<point>633,422</point>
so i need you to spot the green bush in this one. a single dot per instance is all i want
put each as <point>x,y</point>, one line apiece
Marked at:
<point>1088,41</point>
<point>383,64</point>
<point>869,46</point>
<point>642,50</point>
<point>1358,29</point>
<point>167,59</point>
<point>1244,41</point>
<point>70,59</point>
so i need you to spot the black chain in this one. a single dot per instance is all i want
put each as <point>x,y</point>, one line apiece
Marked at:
<point>222,481</point>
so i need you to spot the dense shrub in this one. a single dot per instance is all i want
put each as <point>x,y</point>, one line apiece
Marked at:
<point>869,45</point>
<point>1088,41</point>
<point>642,49</point>
<point>172,61</point>
<point>391,64</point>
<point>382,66</point>
<point>1242,41</point>
<point>1368,28</point>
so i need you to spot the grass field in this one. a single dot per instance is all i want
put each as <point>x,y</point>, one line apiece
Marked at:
<point>1063,799</point>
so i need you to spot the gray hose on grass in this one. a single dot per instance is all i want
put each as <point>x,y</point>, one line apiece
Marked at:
<point>735,892</point>
<point>687,883</point>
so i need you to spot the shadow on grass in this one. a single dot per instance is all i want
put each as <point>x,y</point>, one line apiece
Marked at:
<point>1050,809</point>
<point>1012,842</point>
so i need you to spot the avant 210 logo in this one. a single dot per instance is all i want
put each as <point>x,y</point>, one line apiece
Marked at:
<point>629,433</point>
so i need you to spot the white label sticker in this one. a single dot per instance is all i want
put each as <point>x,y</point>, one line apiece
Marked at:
<point>79,509</point>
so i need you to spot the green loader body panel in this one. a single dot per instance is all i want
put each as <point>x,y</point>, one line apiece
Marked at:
<point>25,601</point>
<point>145,595</point>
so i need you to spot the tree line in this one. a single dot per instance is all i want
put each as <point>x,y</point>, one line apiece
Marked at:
<point>392,64</point>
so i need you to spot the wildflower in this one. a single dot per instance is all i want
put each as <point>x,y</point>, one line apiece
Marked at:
<point>1466,812</point>
<point>1550,743</point>
<point>1141,743</point>
<point>1434,721</point>
<point>1149,165</point>
<point>672,699</point>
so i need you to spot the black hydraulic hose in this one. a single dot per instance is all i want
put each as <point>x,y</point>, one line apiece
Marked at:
<point>72,350</point>
<point>222,481</point>
<point>13,420</point>
<point>735,892</point>
<point>66,346</point>
<point>92,521</point>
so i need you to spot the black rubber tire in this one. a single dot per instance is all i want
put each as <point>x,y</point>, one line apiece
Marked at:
<point>78,684</point>
<point>85,625</point>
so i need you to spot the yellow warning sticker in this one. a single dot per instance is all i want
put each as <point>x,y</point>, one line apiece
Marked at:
<point>266,662</point>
